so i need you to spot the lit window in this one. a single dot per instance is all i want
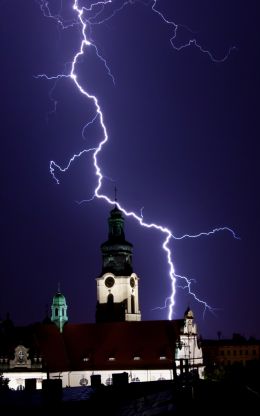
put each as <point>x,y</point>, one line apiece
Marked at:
<point>137,358</point>
<point>162,357</point>
<point>111,359</point>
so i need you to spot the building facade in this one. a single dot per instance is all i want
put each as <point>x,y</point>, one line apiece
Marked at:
<point>226,352</point>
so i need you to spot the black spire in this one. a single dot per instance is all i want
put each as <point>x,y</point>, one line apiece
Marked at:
<point>116,224</point>
<point>116,251</point>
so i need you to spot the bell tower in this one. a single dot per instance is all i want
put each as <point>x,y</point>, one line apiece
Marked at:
<point>117,286</point>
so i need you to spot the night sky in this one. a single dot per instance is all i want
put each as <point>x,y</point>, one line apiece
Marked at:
<point>183,144</point>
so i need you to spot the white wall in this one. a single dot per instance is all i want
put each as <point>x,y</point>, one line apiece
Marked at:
<point>72,378</point>
<point>18,379</point>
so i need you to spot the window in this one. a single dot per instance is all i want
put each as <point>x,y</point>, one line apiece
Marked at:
<point>132,304</point>
<point>21,356</point>
<point>56,312</point>
<point>110,299</point>
<point>83,381</point>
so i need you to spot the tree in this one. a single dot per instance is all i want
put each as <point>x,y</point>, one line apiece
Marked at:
<point>3,383</point>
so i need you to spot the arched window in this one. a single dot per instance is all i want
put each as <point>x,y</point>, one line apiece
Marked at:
<point>132,304</point>
<point>56,311</point>
<point>110,299</point>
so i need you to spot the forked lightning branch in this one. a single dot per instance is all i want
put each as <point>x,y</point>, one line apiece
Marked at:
<point>85,17</point>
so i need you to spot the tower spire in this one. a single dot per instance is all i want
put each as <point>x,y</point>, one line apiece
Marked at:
<point>59,310</point>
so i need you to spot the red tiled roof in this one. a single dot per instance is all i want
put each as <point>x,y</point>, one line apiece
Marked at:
<point>90,346</point>
<point>51,345</point>
<point>100,346</point>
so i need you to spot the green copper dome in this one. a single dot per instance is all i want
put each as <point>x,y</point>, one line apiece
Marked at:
<point>59,310</point>
<point>59,299</point>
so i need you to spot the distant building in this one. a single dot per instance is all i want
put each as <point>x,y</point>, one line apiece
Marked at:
<point>118,342</point>
<point>225,352</point>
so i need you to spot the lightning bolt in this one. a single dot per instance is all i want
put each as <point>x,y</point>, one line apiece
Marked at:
<point>190,42</point>
<point>99,13</point>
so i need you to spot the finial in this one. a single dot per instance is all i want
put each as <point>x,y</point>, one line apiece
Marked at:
<point>115,195</point>
<point>59,287</point>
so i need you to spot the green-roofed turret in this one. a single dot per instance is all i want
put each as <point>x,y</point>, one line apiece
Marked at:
<point>59,310</point>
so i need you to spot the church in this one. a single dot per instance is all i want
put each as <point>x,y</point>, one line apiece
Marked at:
<point>118,343</point>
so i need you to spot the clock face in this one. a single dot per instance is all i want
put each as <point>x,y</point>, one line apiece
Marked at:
<point>110,281</point>
<point>132,282</point>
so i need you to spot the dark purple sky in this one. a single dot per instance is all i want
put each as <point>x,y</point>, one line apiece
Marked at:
<point>184,135</point>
